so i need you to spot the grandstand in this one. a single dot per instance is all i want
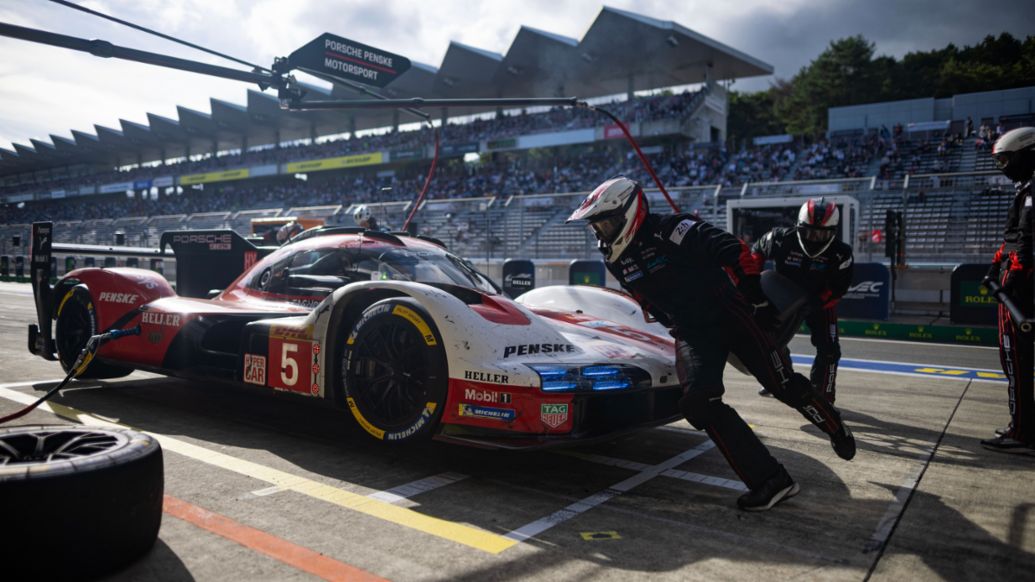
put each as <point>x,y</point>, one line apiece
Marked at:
<point>507,180</point>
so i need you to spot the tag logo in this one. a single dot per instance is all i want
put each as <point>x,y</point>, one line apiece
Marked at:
<point>553,415</point>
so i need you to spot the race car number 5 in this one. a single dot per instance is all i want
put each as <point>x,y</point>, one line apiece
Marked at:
<point>288,364</point>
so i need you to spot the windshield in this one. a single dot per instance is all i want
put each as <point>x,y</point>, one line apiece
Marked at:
<point>336,267</point>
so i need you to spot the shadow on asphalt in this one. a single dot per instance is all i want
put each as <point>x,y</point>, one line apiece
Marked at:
<point>824,526</point>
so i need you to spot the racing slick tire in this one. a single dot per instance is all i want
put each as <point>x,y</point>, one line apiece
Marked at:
<point>76,323</point>
<point>77,501</point>
<point>393,371</point>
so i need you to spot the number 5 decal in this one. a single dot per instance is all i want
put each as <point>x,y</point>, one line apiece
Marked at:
<point>287,363</point>
<point>290,364</point>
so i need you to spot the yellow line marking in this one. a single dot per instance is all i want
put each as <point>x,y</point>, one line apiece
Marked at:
<point>459,533</point>
<point>592,536</point>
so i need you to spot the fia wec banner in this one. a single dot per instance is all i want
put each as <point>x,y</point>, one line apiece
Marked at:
<point>869,296</point>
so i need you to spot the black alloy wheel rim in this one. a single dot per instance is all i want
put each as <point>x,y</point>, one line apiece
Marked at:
<point>389,374</point>
<point>50,445</point>
<point>76,330</point>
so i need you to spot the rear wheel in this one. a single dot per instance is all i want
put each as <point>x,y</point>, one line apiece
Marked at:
<point>394,371</point>
<point>76,323</point>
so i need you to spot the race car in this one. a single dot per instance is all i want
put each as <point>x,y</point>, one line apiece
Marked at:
<point>412,340</point>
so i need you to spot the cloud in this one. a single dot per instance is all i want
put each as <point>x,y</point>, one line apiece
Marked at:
<point>46,90</point>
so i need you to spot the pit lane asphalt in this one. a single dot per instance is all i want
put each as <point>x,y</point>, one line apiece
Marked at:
<point>658,503</point>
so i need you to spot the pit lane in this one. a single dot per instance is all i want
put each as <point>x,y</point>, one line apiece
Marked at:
<point>658,503</point>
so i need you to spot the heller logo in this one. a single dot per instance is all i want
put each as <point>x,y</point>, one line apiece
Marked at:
<point>553,415</point>
<point>109,297</point>
<point>486,377</point>
<point>156,318</point>
<point>487,396</point>
<point>255,369</point>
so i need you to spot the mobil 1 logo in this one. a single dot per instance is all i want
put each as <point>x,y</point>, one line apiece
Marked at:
<point>330,55</point>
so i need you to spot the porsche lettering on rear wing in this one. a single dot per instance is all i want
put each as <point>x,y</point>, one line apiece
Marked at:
<point>209,259</point>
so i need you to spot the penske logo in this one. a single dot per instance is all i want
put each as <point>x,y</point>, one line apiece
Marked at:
<point>109,297</point>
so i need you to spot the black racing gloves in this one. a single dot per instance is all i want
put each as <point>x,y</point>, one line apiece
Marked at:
<point>765,314</point>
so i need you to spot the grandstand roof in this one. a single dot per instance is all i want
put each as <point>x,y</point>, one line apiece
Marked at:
<point>620,49</point>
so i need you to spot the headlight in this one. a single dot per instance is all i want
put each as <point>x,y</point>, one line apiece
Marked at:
<point>591,377</point>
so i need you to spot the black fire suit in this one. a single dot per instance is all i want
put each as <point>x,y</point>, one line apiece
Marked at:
<point>825,278</point>
<point>680,269</point>
<point>1014,263</point>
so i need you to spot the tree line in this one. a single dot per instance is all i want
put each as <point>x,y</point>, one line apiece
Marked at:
<point>849,73</point>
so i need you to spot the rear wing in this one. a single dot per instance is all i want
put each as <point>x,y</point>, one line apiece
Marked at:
<point>209,259</point>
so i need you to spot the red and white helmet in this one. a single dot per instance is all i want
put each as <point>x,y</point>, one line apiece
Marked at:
<point>817,226</point>
<point>615,211</point>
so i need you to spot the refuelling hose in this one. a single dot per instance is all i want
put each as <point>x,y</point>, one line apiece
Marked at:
<point>81,363</point>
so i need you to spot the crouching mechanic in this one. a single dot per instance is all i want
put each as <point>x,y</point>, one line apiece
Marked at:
<point>674,266</point>
<point>1012,267</point>
<point>810,255</point>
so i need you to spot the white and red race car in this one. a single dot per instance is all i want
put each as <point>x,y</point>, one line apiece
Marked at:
<point>411,339</point>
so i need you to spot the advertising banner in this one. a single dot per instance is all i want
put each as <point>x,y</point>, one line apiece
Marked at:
<point>142,184</point>
<point>115,187</point>
<point>162,181</point>
<point>518,277</point>
<point>869,296</point>
<point>209,177</point>
<point>969,302</point>
<point>586,272</point>
<point>353,161</point>
<point>458,149</point>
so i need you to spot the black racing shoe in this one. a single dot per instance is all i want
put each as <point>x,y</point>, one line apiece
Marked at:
<point>764,392</point>
<point>1005,444</point>
<point>843,442</point>
<point>773,491</point>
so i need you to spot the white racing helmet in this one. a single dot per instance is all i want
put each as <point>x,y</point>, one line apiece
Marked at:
<point>817,226</point>
<point>362,215</point>
<point>1014,153</point>
<point>615,210</point>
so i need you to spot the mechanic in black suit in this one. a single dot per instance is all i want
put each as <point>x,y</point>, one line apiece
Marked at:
<point>811,256</point>
<point>702,283</point>
<point>1012,267</point>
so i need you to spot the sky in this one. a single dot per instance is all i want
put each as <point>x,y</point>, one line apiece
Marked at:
<point>46,90</point>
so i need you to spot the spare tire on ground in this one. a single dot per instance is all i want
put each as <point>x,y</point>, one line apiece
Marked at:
<point>77,501</point>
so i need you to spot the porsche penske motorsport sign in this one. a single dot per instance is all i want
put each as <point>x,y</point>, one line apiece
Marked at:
<point>330,55</point>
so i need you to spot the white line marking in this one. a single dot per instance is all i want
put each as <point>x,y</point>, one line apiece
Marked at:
<point>673,473</point>
<point>402,493</point>
<point>539,526</point>
<point>887,521</point>
<point>30,383</point>
<point>908,343</point>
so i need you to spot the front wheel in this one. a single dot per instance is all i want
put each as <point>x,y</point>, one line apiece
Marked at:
<point>394,371</point>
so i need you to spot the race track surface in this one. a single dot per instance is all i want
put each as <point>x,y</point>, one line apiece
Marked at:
<point>265,486</point>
